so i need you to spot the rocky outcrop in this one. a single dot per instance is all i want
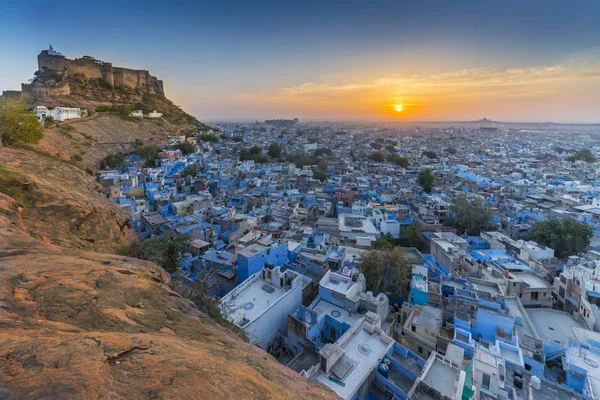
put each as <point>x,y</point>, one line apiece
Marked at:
<point>78,324</point>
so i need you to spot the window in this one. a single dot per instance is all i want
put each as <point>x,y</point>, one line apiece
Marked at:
<point>426,331</point>
<point>561,292</point>
<point>534,295</point>
<point>485,383</point>
<point>412,328</point>
<point>420,350</point>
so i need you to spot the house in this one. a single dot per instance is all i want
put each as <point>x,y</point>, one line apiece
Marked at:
<point>261,304</point>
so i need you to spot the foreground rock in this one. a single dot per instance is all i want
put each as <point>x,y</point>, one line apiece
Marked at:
<point>77,324</point>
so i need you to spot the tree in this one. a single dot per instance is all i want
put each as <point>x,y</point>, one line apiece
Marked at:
<point>583,155</point>
<point>17,124</point>
<point>190,170</point>
<point>323,151</point>
<point>398,160</point>
<point>566,237</point>
<point>185,148</point>
<point>255,150</point>
<point>387,271</point>
<point>470,217</point>
<point>426,179</point>
<point>412,237</point>
<point>113,161</point>
<point>377,156</point>
<point>451,150</point>
<point>274,150</point>
<point>164,251</point>
<point>430,154</point>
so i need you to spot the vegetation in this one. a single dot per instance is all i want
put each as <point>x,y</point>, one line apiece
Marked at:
<point>430,154</point>
<point>18,187</point>
<point>470,217</point>
<point>274,150</point>
<point>398,160</point>
<point>566,237</point>
<point>320,172</point>
<point>190,170</point>
<point>377,156</point>
<point>583,155</point>
<point>164,251</point>
<point>113,161</point>
<point>387,271</point>
<point>451,150</point>
<point>186,148</point>
<point>323,151</point>
<point>254,153</point>
<point>17,124</point>
<point>209,137</point>
<point>426,179</point>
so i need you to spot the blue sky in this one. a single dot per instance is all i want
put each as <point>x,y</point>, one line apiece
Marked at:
<point>236,59</point>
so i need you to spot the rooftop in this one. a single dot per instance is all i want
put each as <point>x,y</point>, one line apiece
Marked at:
<point>250,299</point>
<point>325,308</point>
<point>553,325</point>
<point>363,351</point>
<point>532,280</point>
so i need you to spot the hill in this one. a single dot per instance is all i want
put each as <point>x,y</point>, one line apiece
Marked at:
<point>83,324</point>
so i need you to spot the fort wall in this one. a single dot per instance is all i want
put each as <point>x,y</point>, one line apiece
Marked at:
<point>91,68</point>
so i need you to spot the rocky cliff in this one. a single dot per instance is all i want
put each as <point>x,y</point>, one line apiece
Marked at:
<point>80,323</point>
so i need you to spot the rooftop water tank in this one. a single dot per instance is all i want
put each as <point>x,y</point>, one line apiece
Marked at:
<point>536,382</point>
<point>384,370</point>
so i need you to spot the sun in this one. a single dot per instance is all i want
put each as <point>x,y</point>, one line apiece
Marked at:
<point>398,107</point>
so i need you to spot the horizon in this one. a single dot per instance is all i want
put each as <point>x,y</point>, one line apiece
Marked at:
<point>509,62</point>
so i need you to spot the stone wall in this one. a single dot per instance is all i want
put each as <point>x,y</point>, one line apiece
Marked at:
<point>46,89</point>
<point>90,68</point>
<point>12,94</point>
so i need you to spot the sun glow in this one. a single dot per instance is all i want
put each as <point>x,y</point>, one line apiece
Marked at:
<point>398,107</point>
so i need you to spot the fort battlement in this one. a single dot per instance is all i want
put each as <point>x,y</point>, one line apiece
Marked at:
<point>91,68</point>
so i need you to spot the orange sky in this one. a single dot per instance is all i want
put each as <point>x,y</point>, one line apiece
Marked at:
<point>518,93</point>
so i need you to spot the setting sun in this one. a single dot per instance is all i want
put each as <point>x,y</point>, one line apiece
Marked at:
<point>398,107</point>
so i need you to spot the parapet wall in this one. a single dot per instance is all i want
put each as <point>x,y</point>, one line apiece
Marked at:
<point>90,68</point>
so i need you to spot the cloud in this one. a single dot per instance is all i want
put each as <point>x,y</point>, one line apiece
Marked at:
<point>478,90</point>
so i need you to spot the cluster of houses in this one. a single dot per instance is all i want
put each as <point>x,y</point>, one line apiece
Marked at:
<point>488,316</point>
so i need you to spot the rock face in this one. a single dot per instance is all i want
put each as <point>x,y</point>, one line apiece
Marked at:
<point>62,204</point>
<point>77,324</point>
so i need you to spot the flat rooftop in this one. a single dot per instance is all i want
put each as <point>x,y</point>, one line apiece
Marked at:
<point>323,308</point>
<point>337,283</point>
<point>248,302</point>
<point>532,280</point>
<point>553,325</point>
<point>365,351</point>
<point>442,378</point>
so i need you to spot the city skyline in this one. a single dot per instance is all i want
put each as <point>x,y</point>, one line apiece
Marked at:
<point>399,61</point>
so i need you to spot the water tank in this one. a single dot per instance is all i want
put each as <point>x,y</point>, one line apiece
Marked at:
<point>370,296</point>
<point>536,382</point>
<point>384,370</point>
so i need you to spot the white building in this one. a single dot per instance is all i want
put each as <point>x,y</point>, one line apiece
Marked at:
<point>261,304</point>
<point>58,113</point>
<point>348,366</point>
<point>155,114</point>
<point>137,114</point>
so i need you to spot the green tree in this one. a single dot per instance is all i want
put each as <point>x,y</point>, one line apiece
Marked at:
<point>426,179</point>
<point>190,170</point>
<point>566,237</point>
<point>398,160</point>
<point>451,150</point>
<point>255,150</point>
<point>412,237</point>
<point>274,150</point>
<point>323,151</point>
<point>470,217</point>
<point>430,154</point>
<point>185,148</point>
<point>387,271</point>
<point>164,251</point>
<point>583,155</point>
<point>377,156</point>
<point>17,124</point>
<point>113,161</point>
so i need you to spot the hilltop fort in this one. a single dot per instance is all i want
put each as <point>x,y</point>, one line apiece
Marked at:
<point>56,75</point>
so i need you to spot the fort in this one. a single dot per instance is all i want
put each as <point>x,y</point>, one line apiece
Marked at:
<point>55,70</point>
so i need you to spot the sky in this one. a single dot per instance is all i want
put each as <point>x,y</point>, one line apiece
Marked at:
<point>405,60</point>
